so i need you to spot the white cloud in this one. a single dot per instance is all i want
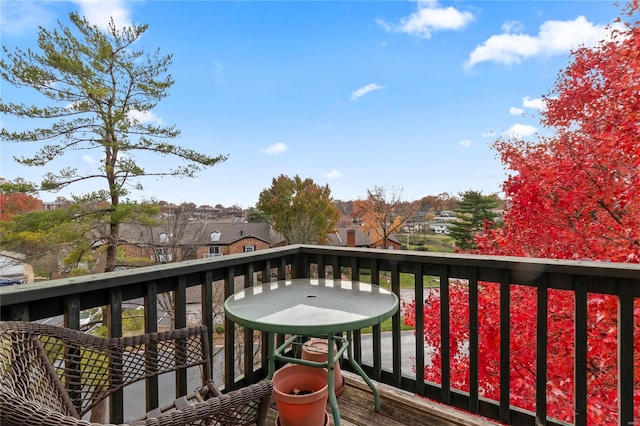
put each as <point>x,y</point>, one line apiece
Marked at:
<point>100,12</point>
<point>516,111</point>
<point>512,27</point>
<point>364,90</point>
<point>19,17</point>
<point>145,117</point>
<point>88,159</point>
<point>538,103</point>
<point>333,174</point>
<point>430,17</point>
<point>276,148</point>
<point>465,143</point>
<point>26,16</point>
<point>520,131</point>
<point>554,37</point>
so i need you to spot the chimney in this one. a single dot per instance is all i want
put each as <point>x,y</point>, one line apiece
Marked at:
<point>351,237</point>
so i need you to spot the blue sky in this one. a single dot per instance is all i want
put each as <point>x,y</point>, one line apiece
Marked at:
<point>353,94</point>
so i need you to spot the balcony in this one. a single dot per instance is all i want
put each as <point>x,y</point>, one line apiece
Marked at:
<point>163,258</point>
<point>197,289</point>
<point>210,255</point>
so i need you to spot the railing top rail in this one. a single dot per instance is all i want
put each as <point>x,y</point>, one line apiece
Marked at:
<point>68,286</point>
<point>575,267</point>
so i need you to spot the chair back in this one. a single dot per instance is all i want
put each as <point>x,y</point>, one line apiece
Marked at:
<point>72,371</point>
<point>26,373</point>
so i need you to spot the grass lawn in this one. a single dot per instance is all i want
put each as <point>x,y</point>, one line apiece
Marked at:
<point>406,280</point>
<point>386,326</point>
<point>427,242</point>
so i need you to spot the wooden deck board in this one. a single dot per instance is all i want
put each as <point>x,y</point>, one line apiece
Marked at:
<point>397,408</point>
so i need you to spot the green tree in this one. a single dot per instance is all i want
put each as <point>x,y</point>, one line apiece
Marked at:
<point>474,213</point>
<point>99,87</point>
<point>256,215</point>
<point>302,211</point>
<point>69,238</point>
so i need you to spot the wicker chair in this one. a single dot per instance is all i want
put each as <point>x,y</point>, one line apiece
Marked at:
<point>53,376</point>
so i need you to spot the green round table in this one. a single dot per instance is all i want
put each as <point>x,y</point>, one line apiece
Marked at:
<point>313,307</point>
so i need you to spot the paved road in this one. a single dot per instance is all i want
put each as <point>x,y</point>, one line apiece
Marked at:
<point>407,351</point>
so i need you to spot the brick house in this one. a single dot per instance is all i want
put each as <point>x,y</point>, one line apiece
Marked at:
<point>194,239</point>
<point>220,239</point>
<point>354,237</point>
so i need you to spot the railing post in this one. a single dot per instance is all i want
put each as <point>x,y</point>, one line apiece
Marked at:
<point>114,326</point>
<point>473,342</point>
<point>395,327</point>
<point>580,348</point>
<point>541,349</point>
<point>72,320</point>
<point>625,352</point>
<point>418,286</point>
<point>300,266</point>
<point>445,332</point>
<point>19,312</point>
<point>248,334</point>
<point>229,334</point>
<point>180,312</point>
<point>151,352</point>
<point>282,268</point>
<point>206,297</point>
<point>505,345</point>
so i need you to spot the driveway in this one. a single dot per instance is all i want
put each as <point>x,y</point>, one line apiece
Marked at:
<point>407,351</point>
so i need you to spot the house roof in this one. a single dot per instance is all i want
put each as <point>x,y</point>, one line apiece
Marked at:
<point>339,238</point>
<point>232,232</point>
<point>196,232</point>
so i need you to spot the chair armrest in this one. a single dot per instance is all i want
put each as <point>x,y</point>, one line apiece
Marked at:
<point>248,405</point>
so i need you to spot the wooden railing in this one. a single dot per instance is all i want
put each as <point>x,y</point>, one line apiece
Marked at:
<point>209,281</point>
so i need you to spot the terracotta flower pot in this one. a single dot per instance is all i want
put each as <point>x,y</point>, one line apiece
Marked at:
<point>307,408</point>
<point>317,350</point>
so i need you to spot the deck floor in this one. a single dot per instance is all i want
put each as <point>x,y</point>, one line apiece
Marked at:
<point>397,408</point>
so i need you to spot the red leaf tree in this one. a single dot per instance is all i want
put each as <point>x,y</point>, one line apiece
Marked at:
<point>15,200</point>
<point>573,195</point>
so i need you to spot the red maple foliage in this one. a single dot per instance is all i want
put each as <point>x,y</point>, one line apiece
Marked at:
<point>574,195</point>
<point>17,203</point>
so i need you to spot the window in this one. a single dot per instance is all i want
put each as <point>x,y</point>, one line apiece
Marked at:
<point>215,236</point>
<point>164,237</point>
<point>248,249</point>
<point>214,251</point>
<point>163,255</point>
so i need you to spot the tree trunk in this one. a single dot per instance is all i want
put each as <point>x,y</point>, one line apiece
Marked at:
<point>112,247</point>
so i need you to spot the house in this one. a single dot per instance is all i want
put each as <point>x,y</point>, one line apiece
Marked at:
<point>354,237</point>
<point>12,266</point>
<point>220,238</point>
<point>440,228</point>
<point>194,239</point>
